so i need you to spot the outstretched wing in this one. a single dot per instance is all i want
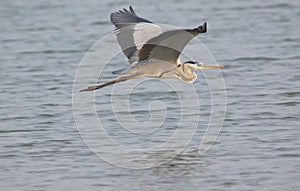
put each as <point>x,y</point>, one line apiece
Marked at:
<point>169,45</point>
<point>133,31</point>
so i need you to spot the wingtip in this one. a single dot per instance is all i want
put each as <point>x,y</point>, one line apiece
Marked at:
<point>203,28</point>
<point>131,10</point>
<point>124,10</point>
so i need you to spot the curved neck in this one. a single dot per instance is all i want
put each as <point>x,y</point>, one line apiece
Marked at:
<point>189,75</point>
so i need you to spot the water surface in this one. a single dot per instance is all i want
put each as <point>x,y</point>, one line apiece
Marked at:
<point>41,46</point>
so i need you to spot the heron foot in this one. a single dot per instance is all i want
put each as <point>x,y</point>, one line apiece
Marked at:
<point>91,88</point>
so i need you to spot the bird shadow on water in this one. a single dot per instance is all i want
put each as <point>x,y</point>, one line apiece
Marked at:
<point>186,160</point>
<point>186,164</point>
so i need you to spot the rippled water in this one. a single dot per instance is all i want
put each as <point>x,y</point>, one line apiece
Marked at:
<point>43,42</point>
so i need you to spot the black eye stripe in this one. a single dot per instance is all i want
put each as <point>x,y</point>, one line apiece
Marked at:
<point>190,62</point>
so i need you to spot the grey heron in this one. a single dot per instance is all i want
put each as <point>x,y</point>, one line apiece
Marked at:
<point>151,52</point>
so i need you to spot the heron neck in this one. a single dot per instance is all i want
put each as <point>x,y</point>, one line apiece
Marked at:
<point>189,74</point>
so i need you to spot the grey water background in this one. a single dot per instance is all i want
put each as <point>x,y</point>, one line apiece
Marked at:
<point>258,42</point>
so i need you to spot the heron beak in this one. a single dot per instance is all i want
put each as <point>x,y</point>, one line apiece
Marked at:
<point>210,66</point>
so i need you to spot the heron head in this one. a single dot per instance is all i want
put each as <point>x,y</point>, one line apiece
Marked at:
<point>200,66</point>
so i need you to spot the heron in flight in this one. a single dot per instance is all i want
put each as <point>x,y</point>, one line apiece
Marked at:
<point>151,52</point>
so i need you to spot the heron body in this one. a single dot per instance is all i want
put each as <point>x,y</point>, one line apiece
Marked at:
<point>154,68</point>
<point>151,52</point>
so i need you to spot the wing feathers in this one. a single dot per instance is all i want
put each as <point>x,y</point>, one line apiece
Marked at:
<point>133,31</point>
<point>141,39</point>
<point>169,45</point>
<point>125,18</point>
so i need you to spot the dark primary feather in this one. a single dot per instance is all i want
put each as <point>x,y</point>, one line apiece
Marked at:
<point>125,18</point>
